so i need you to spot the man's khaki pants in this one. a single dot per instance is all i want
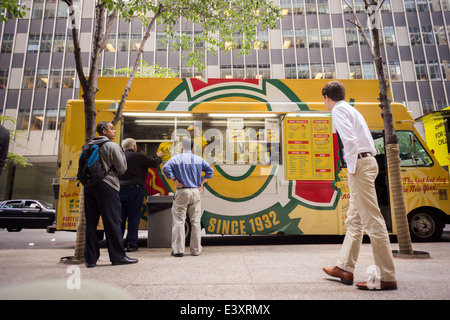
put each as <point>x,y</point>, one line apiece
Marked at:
<point>186,200</point>
<point>364,215</point>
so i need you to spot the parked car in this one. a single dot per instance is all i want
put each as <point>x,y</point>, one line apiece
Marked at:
<point>26,213</point>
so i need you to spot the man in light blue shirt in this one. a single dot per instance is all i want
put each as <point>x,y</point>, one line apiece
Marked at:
<point>186,170</point>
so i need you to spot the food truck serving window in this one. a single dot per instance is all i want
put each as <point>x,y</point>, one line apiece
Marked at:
<point>218,138</point>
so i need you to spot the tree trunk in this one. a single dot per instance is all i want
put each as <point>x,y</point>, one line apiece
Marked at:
<point>392,155</point>
<point>81,230</point>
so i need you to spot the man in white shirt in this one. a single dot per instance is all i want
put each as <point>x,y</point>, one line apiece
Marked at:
<point>363,213</point>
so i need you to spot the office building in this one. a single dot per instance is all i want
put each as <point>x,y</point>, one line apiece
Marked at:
<point>313,40</point>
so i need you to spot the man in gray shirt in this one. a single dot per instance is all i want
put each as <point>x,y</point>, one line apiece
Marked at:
<point>103,200</point>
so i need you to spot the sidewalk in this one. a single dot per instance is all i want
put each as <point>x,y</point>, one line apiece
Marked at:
<point>221,272</point>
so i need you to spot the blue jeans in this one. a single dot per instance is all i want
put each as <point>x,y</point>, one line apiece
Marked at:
<point>131,198</point>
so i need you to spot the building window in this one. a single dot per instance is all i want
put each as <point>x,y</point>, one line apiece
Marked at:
<point>422,5</point>
<point>300,38</point>
<point>59,42</point>
<point>251,71</point>
<point>122,42</point>
<point>226,72</point>
<point>286,8</point>
<point>111,45</point>
<point>41,78</point>
<point>69,43</point>
<point>33,42</point>
<point>316,71</point>
<point>421,70</point>
<point>135,41</point>
<point>389,36</point>
<point>7,42</point>
<point>199,44</point>
<point>263,71</point>
<point>50,118</point>
<point>441,104</point>
<point>199,73</point>
<point>440,34</point>
<point>445,69</point>
<point>427,107</point>
<point>427,35</point>
<point>288,39</point>
<point>352,37</point>
<point>290,71</point>
<point>325,38</point>
<point>298,6</point>
<point>50,7</point>
<point>238,71</point>
<point>313,38</point>
<point>355,70</point>
<point>329,71</point>
<point>68,78</point>
<point>433,67</point>
<point>161,43</point>
<point>46,42</point>
<point>22,119</point>
<point>410,6</point>
<point>369,70</point>
<point>414,35</point>
<point>187,72</point>
<point>28,78</point>
<point>310,6</point>
<point>38,9</point>
<point>303,71</point>
<point>386,6</point>
<point>55,78</point>
<point>37,119</point>
<point>323,6</point>
<point>263,37</point>
<point>394,71</point>
<point>4,72</point>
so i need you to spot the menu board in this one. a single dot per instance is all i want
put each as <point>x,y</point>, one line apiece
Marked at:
<point>308,145</point>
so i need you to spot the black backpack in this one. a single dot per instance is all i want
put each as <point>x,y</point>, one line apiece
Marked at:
<point>90,169</point>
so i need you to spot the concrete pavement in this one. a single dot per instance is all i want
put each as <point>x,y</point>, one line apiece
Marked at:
<point>282,271</point>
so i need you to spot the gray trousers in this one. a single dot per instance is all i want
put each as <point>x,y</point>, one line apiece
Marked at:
<point>186,200</point>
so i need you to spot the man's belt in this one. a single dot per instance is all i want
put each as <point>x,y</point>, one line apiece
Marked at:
<point>364,155</point>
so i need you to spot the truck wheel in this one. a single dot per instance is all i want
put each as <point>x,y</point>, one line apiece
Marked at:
<point>425,225</point>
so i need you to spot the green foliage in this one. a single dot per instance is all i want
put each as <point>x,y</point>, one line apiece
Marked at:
<point>14,158</point>
<point>145,71</point>
<point>18,11</point>
<point>220,21</point>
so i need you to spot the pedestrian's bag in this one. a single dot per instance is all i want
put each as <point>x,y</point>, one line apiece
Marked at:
<point>90,169</point>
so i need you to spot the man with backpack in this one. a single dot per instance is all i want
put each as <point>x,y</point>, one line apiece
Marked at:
<point>101,198</point>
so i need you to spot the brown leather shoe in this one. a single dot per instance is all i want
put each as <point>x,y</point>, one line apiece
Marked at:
<point>383,285</point>
<point>345,276</point>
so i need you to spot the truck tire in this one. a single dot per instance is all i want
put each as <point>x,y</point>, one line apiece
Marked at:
<point>425,225</point>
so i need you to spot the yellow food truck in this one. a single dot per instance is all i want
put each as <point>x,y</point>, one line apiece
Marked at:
<point>277,159</point>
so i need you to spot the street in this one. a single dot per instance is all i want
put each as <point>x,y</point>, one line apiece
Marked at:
<point>39,238</point>
<point>229,268</point>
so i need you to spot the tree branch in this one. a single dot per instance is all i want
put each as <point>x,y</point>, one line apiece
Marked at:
<point>77,50</point>
<point>358,25</point>
<point>118,115</point>
<point>109,23</point>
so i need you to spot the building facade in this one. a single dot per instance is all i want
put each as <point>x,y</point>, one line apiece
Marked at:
<point>313,40</point>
